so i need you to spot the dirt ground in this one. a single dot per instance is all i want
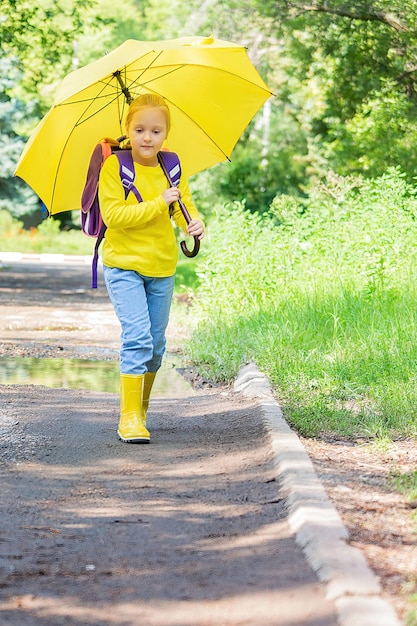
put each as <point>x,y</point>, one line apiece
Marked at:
<point>192,527</point>
<point>380,520</point>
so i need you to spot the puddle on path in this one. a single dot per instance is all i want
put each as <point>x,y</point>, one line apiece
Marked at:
<point>86,374</point>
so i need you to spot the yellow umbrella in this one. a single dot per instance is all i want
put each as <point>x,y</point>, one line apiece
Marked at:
<point>210,86</point>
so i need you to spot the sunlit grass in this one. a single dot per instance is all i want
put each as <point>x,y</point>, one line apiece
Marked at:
<point>324,300</point>
<point>412,616</point>
<point>46,238</point>
<point>358,380</point>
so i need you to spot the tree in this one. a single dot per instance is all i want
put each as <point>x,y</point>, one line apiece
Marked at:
<point>369,42</point>
<point>38,36</point>
<point>35,52</point>
<point>357,62</point>
<point>14,194</point>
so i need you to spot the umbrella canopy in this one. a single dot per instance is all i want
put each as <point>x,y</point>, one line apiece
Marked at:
<point>211,87</point>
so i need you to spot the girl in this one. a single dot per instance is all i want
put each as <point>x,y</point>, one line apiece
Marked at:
<point>140,254</point>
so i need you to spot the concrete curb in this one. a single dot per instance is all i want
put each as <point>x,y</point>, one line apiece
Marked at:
<point>318,528</point>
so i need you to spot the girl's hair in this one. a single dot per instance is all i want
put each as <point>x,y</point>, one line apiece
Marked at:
<point>148,100</point>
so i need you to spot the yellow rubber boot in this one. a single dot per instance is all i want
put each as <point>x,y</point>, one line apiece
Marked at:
<point>132,427</point>
<point>147,388</point>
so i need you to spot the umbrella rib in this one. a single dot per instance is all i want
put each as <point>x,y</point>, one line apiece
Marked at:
<point>171,103</point>
<point>78,123</point>
<point>207,67</point>
<point>114,96</point>
<point>124,87</point>
<point>176,69</point>
<point>171,71</point>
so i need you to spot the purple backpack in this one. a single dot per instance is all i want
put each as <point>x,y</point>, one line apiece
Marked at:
<point>91,220</point>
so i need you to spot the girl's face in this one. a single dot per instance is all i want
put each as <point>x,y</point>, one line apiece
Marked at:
<point>147,132</point>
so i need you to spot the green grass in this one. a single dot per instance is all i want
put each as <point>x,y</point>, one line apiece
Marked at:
<point>186,280</point>
<point>412,616</point>
<point>323,297</point>
<point>357,378</point>
<point>407,484</point>
<point>47,238</point>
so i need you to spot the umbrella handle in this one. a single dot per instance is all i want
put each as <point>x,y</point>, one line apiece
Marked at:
<point>185,213</point>
<point>183,245</point>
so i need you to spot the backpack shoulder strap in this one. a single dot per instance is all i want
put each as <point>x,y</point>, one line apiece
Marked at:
<point>127,173</point>
<point>171,167</point>
<point>172,164</point>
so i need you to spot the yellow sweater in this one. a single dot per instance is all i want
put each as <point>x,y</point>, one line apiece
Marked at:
<point>140,236</point>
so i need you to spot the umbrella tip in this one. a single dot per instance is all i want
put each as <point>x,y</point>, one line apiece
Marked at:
<point>207,40</point>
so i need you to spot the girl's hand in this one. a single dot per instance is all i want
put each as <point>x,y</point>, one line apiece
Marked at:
<point>171,195</point>
<point>195,229</point>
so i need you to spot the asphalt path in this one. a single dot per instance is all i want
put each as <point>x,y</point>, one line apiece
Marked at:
<point>219,521</point>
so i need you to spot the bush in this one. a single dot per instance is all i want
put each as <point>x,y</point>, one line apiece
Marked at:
<point>322,295</point>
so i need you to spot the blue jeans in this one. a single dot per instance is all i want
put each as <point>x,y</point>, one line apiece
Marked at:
<point>142,305</point>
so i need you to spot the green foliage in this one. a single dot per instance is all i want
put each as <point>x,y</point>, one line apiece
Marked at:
<point>169,19</point>
<point>46,238</point>
<point>269,159</point>
<point>35,52</point>
<point>9,227</point>
<point>350,81</point>
<point>380,133</point>
<point>185,277</point>
<point>322,296</point>
<point>14,194</point>
<point>258,173</point>
<point>345,94</point>
<point>109,25</point>
<point>39,35</point>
